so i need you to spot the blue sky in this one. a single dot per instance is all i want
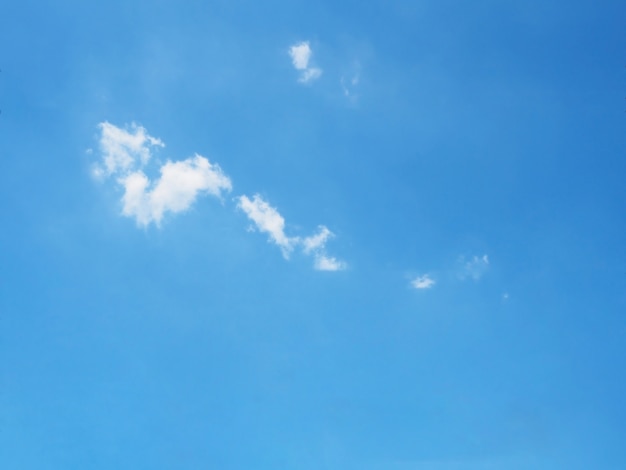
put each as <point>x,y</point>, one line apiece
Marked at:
<point>312,235</point>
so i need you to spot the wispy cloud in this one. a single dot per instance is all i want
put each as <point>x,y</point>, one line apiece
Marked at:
<point>267,219</point>
<point>350,81</point>
<point>423,282</point>
<point>318,241</point>
<point>328,263</point>
<point>316,245</point>
<point>300,56</point>
<point>125,154</point>
<point>473,268</point>
<point>124,149</point>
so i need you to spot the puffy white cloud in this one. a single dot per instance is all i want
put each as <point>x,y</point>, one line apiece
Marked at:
<point>300,56</point>
<point>423,282</point>
<point>124,149</point>
<point>125,153</point>
<point>175,191</point>
<point>328,263</point>
<point>268,220</point>
<point>474,268</point>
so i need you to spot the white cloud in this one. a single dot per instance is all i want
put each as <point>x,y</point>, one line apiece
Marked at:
<point>317,242</point>
<point>310,74</point>
<point>423,282</point>
<point>125,153</point>
<point>267,219</point>
<point>474,268</point>
<point>328,263</point>
<point>123,150</point>
<point>175,191</point>
<point>300,55</point>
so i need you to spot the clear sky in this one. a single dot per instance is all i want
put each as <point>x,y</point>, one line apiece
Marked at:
<point>313,235</point>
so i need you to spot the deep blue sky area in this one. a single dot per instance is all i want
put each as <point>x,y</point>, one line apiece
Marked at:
<point>313,235</point>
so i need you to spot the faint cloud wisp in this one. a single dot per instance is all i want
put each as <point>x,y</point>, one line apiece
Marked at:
<point>474,268</point>
<point>267,219</point>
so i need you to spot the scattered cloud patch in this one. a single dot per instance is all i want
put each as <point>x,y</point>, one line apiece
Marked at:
<point>267,219</point>
<point>126,152</point>
<point>328,263</point>
<point>300,54</point>
<point>124,149</point>
<point>473,268</point>
<point>423,282</point>
<point>309,75</point>
<point>318,241</point>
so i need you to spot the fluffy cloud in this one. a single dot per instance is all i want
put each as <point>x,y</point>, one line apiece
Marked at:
<point>300,55</point>
<point>123,150</point>
<point>317,242</point>
<point>125,153</point>
<point>267,219</point>
<point>175,191</point>
<point>423,282</point>
<point>474,268</point>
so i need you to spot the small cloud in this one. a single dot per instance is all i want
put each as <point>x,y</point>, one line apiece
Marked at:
<point>474,268</point>
<point>125,149</point>
<point>300,54</point>
<point>328,263</point>
<point>423,282</point>
<point>267,219</point>
<point>317,242</point>
<point>309,75</point>
<point>505,297</point>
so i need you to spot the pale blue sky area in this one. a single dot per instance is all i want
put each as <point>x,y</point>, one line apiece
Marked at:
<point>313,235</point>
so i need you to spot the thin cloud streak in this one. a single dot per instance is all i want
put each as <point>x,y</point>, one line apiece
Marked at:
<point>267,219</point>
